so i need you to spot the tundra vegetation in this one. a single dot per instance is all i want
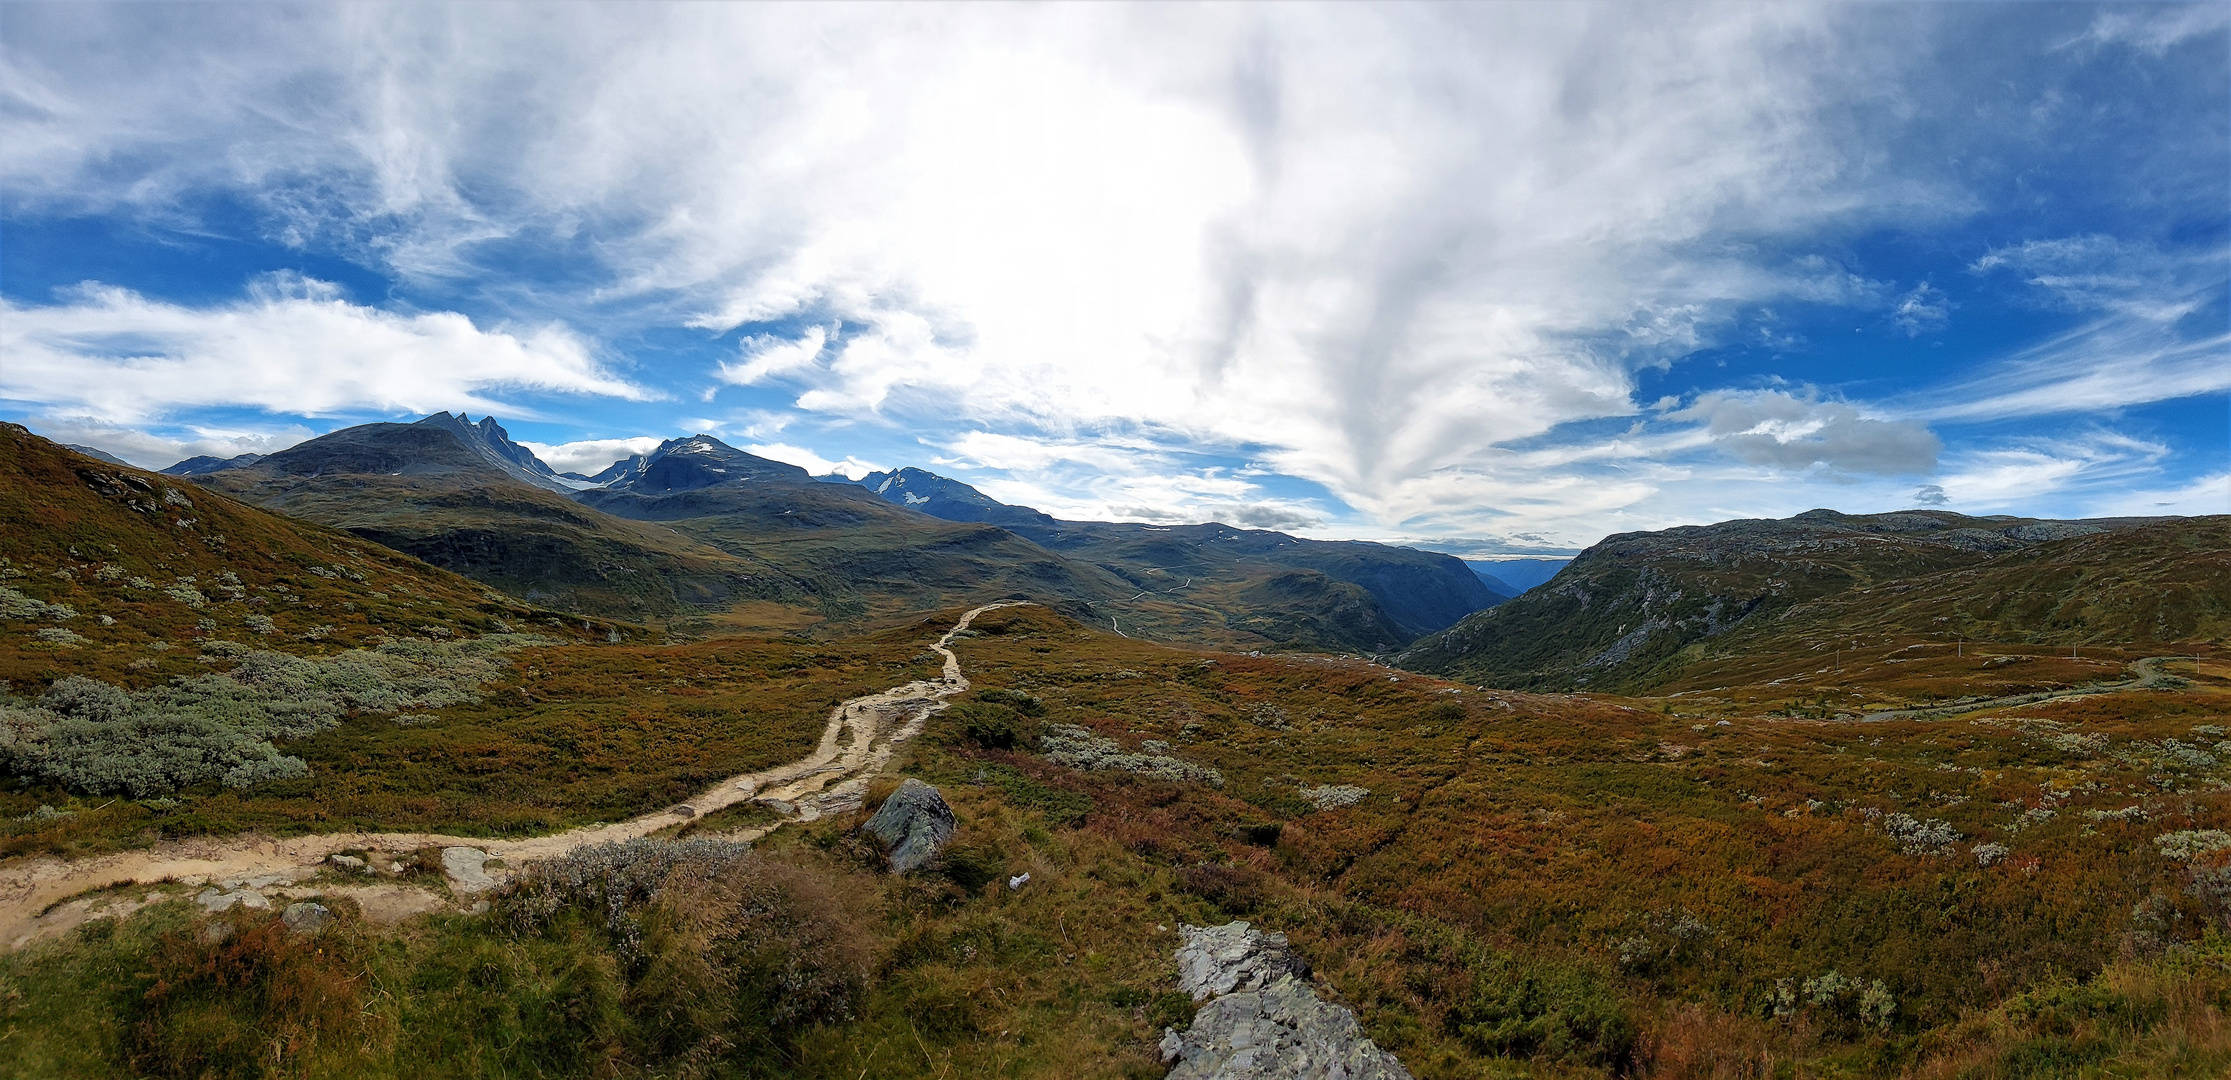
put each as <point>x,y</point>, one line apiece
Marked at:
<point>1500,883</point>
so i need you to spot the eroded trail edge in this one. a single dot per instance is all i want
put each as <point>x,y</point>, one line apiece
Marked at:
<point>856,744</point>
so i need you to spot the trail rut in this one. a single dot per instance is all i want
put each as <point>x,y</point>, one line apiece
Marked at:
<point>833,778</point>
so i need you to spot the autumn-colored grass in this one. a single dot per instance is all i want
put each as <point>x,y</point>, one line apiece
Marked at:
<point>1533,885</point>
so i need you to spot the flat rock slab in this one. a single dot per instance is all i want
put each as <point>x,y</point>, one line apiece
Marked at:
<point>466,869</point>
<point>214,900</point>
<point>913,825</point>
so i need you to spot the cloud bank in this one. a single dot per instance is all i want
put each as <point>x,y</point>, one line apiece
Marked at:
<point>1420,265</point>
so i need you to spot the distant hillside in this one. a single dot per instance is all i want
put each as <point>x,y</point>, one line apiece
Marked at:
<point>106,567</point>
<point>205,464</point>
<point>1416,592</point>
<point>1633,611</point>
<point>451,493</point>
<point>98,454</point>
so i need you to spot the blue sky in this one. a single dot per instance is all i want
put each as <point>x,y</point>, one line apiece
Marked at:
<point>1497,277</point>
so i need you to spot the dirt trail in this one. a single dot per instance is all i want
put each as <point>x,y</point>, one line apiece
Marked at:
<point>2145,674</point>
<point>832,778</point>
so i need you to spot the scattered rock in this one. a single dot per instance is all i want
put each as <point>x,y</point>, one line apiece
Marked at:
<point>214,900</point>
<point>684,810</point>
<point>1217,960</point>
<point>349,862</point>
<point>913,825</point>
<point>307,917</point>
<point>465,868</point>
<point>1265,1021</point>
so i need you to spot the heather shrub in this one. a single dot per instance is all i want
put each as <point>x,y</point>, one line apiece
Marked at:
<point>256,1003</point>
<point>1520,1007</point>
<point>726,958</point>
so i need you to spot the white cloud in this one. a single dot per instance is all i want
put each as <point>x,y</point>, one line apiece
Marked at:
<point>1922,311</point>
<point>812,462</point>
<point>590,456</point>
<point>1772,427</point>
<point>1399,251</point>
<point>766,356</point>
<point>290,347</point>
<point>2204,495</point>
<point>1378,242</point>
<point>2049,477</point>
<point>2155,28</point>
<point>163,448</point>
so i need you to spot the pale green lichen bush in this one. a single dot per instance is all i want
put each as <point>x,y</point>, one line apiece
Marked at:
<point>1082,749</point>
<point>96,738</point>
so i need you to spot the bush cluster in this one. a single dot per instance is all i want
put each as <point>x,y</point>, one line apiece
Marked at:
<point>93,737</point>
<point>726,959</point>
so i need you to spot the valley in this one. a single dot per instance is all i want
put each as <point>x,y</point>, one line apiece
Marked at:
<point>1836,796</point>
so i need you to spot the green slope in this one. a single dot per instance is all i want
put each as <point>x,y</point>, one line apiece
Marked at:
<point>1633,611</point>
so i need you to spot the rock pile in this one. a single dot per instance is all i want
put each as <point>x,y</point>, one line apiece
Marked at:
<point>913,825</point>
<point>1264,1022</point>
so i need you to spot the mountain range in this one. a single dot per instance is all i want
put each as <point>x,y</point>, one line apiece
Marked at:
<point>702,537</point>
<point>700,533</point>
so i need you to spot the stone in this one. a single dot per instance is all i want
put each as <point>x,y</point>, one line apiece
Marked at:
<point>1017,882</point>
<point>465,868</point>
<point>349,862</point>
<point>307,917</point>
<point>253,900</point>
<point>913,825</point>
<point>1282,1031</point>
<point>1217,960</point>
<point>1265,1022</point>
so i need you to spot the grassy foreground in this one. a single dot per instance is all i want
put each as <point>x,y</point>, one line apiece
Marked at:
<point>1500,884</point>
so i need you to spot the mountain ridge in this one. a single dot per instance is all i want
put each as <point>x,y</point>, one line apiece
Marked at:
<point>1632,610</point>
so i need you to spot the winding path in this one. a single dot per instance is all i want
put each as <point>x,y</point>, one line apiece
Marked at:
<point>834,777</point>
<point>2145,674</point>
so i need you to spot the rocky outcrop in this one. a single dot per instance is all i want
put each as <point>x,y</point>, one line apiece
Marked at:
<point>913,825</point>
<point>1265,1022</point>
<point>1219,960</point>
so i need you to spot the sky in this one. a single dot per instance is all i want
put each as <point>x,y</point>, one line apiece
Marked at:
<point>1495,278</point>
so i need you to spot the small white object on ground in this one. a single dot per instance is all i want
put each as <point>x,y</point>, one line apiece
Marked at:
<point>1018,882</point>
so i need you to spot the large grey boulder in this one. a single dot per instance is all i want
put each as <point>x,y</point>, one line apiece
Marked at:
<point>1216,960</point>
<point>913,825</point>
<point>1265,1023</point>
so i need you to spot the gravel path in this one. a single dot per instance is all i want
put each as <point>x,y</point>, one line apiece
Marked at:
<point>833,778</point>
<point>2145,674</point>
